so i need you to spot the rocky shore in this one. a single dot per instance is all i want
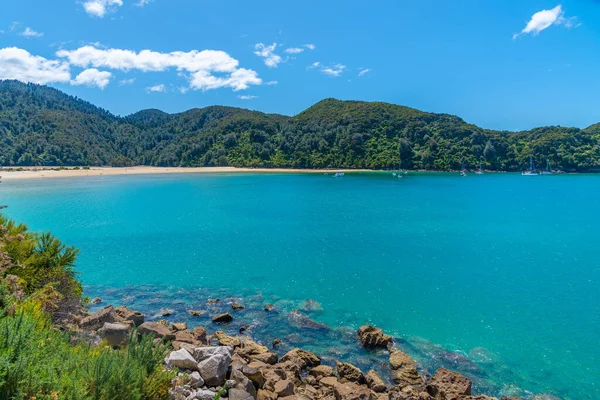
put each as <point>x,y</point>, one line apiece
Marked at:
<point>239,367</point>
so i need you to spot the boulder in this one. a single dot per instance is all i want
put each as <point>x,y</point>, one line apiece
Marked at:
<point>182,359</point>
<point>203,353</point>
<point>222,318</point>
<point>371,337</point>
<point>254,375</point>
<point>114,334</point>
<point>96,320</point>
<point>276,343</point>
<point>352,391</point>
<point>238,394</point>
<point>200,334</point>
<point>225,340</point>
<point>214,369</point>
<point>283,388</point>
<point>349,372</point>
<point>328,381</point>
<point>125,314</point>
<point>179,326</point>
<point>165,312</point>
<point>267,358</point>
<point>375,382</point>
<point>204,394</point>
<point>196,313</point>
<point>243,328</point>
<point>157,329</point>
<point>407,376</point>
<point>265,395</point>
<point>186,337</point>
<point>321,371</point>
<point>249,348</point>
<point>398,359</point>
<point>212,301</point>
<point>450,384</point>
<point>243,383</point>
<point>237,306</point>
<point>96,300</point>
<point>304,359</point>
<point>196,380</point>
<point>269,307</point>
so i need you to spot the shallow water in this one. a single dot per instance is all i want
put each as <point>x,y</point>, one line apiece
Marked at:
<point>500,271</point>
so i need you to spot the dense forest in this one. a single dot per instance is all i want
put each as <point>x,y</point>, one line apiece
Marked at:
<point>40,125</point>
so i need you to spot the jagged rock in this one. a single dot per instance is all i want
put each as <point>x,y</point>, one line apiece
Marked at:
<point>450,384</point>
<point>212,301</point>
<point>157,329</point>
<point>284,387</point>
<point>222,318</point>
<point>407,376</point>
<point>163,322</point>
<point>304,359</point>
<point>410,393</point>
<point>398,359</point>
<point>165,312</point>
<point>328,381</point>
<point>321,371</point>
<point>114,334</point>
<point>213,363</point>
<point>243,328</point>
<point>243,383</point>
<point>301,320</point>
<point>96,300</point>
<point>238,394</point>
<point>182,359</point>
<point>196,313</point>
<point>179,326</point>
<point>276,343</point>
<point>97,319</point>
<point>349,372</point>
<point>371,337</point>
<point>269,307</point>
<point>125,314</point>
<point>186,336</point>
<point>225,340</point>
<point>237,306</point>
<point>352,391</point>
<point>200,334</point>
<point>265,395</point>
<point>204,394</point>
<point>254,375</point>
<point>249,348</point>
<point>311,305</point>
<point>196,380</point>
<point>267,358</point>
<point>375,382</point>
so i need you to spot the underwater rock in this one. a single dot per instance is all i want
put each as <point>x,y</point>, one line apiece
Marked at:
<point>196,313</point>
<point>301,320</point>
<point>311,305</point>
<point>222,318</point>
<point>243,328</point>
<point>371,337</point>
<point>450,384</point>
<point>164,312</point>
<point>269,307</point>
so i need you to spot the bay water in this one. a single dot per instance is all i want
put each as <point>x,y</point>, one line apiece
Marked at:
<point>501,269</point>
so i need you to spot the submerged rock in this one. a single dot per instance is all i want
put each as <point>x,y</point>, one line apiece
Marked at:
<point>237,306</point>
<point>371,337</point>
<point>311,305</point>
<point>269,307</point>
<point>196,313</point>
<point>164,312</point>
<point>301,320</point>
<point>222,318</point>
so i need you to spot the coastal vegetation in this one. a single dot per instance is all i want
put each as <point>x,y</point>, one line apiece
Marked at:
<point>41,126</point>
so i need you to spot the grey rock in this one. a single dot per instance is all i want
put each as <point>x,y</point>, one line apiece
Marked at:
<point>114,334</point>
<point>204,394</point>
<point>182,359</point>
<point>196,380</point>
<point>213,368</point>
<point>238,394</point>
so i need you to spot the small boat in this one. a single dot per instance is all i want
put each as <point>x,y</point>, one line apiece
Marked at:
<point>548,170</point>
<point>338,174</point>
<point>479,171</point>
<point>463,171</point>
<point>531,171</point>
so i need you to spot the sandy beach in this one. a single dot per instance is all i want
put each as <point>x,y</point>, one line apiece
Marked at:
<point>40,172</point>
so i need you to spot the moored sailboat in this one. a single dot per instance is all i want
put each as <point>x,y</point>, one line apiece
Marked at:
<point>531,171</point>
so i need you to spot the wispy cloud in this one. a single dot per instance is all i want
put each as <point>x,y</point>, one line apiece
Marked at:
<point>126,82</point>
<point>364,71</point>
<point>310,46</point>
<point>294,50</point>
<point>247,97</point>
<point>334,70</point>
<point>157,89</point>
<point>142,3</point>
<point>93,78</point>
<point>314,65</point>
<point>268,53</point>
<point>30,33</point>
<point>271,83</point>
<point>544,19</point>
<point>99,8</point>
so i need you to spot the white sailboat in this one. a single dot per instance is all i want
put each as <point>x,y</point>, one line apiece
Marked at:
<point>463,171</point>
<point>479,171</point>
<point>548,170</point>
<point>531,171</point>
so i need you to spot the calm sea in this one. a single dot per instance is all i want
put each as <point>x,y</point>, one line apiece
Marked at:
<point>501,268</point>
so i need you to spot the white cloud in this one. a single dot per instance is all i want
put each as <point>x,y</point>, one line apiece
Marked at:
<point>14,25</point>
<point>19,64</point>
<point>271,83</point>
<point>268,53</point>
<point>199,67</point>
<point>247,97</point>
<point>364,71</point>
<point>142,3</point>
<point>126,82</point>
<point>30,33</point>
<point>310,46</point>
<point>334,70</point>
<point>294,50</point>
<point>98,8</point>
<point>93,78</point>
<point>544,19</point>
<point>157,89</point>
<point>314,65</point>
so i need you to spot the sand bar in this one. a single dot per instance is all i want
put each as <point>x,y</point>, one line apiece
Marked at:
<point>40,172</point>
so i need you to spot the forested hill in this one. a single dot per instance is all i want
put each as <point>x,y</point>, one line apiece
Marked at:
<point>43,126</point>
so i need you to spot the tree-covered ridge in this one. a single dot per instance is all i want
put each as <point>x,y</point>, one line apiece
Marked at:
<point>43,126</point>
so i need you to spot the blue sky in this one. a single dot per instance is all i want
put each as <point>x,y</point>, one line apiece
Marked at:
<point>500,64</point>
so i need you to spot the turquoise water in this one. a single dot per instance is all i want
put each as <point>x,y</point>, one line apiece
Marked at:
<point>501,268</point>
